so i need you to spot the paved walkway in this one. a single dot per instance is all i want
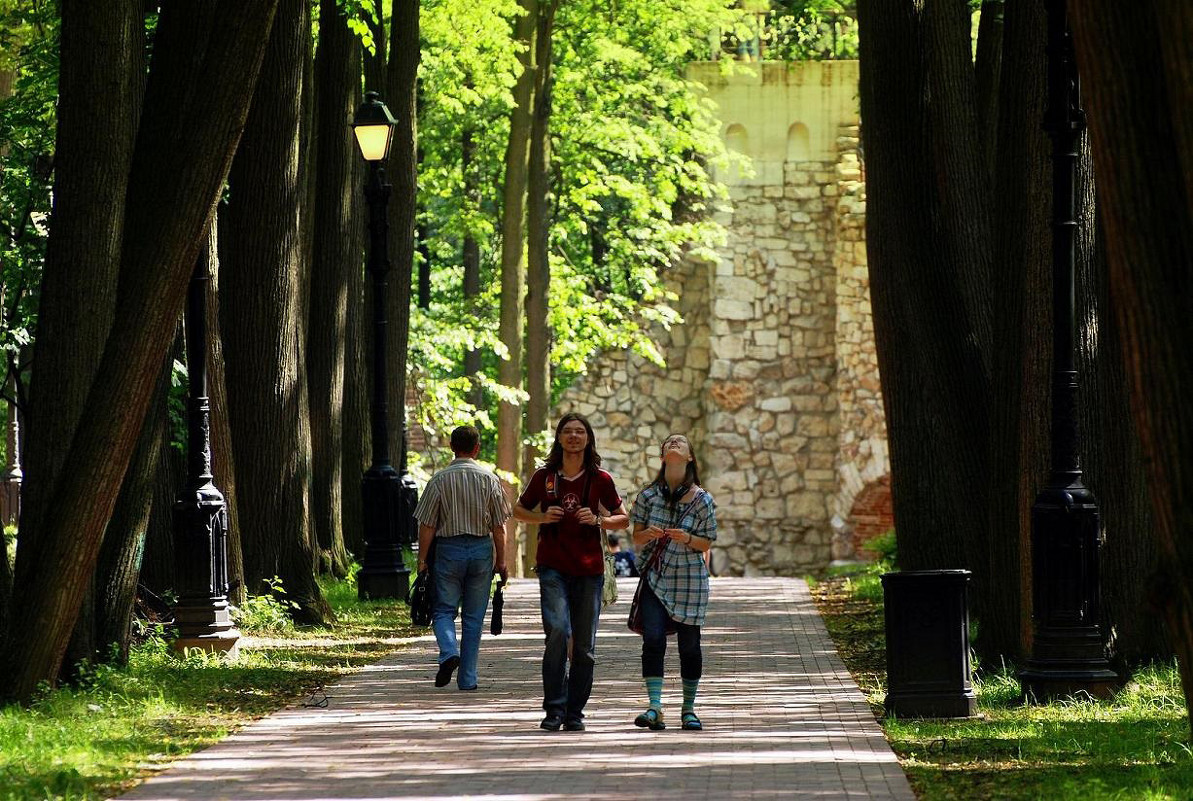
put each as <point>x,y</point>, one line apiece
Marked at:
<point>783,720</point>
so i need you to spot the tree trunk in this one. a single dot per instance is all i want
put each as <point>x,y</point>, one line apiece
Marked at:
<point>197,97</point>
<point>157,564</point>
<point>538,280</point>
<point>471,257</point>
<point>374,62</point>
<point>513,262</point>
<point>223,465</point>
<point>928,240</point>
<point>97,126</point>
<point>356,375</point>
<point>1022,360</point>
<point>261,268</point>
<point>1135,66</point>
<point>337,67</point>
<point>119,568</point>
<point>424,266</point>
<point>401,78</point>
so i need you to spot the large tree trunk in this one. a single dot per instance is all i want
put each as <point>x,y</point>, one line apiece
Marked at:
<point>157,563</point>
<point>223,465</point>
<point>538,278</point>
<point>197,97</point>
<point>356,380</point>
<point>928,239</point>
<point>401,78</point>
<point>471,256</point>
<point>337,68</point>
<point>1022,360</point>
<point>97,126</point>
<point>261,268</point>
<point>1136,65</point>
<point>119,568</point>
<point>513,261</point>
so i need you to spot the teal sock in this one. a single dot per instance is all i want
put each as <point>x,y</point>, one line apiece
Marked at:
<point>689,694</point>
<point>654,691</point>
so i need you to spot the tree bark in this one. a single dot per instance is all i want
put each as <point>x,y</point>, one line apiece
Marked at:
<point>1022,360</point>
<point>928,240</point>
<point>402,79</point>
<point>337,67</point>
<point>1137,73</point>
<point>119,568</point>
<point>471,256</point>
<point>538,230</point>
<point>261,266</point>
<point>157,564</point>
<point>513,257</point>
<point>197,96</point>
<point>97,126</point>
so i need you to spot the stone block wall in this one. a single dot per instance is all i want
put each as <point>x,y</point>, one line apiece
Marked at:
<point>772,374</point>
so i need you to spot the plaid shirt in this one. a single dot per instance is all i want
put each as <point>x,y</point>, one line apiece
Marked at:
<point>680,579</point>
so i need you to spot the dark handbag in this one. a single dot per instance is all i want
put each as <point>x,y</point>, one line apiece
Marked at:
<point>420,600</point>
<point>498,605</point>
<point>422,593</point>
<point>635,619</point>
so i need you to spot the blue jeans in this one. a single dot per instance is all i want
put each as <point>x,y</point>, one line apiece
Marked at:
<point>654,639</point>
<point>463,574</point>
<point>571,607</point>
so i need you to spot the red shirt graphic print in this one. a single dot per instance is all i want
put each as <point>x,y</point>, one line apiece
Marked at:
<point>568,546</point>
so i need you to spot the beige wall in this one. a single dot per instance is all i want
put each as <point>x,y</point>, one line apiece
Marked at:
<point>772,374</point>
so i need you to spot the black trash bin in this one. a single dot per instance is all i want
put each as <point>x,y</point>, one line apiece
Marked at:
<point>927,644</point>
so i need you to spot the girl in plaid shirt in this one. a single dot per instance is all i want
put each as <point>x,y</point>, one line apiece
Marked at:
<point>674,525</point>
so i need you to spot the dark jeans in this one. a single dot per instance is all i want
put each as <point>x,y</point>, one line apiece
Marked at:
<point>654,639</point>
<point>571,606</point>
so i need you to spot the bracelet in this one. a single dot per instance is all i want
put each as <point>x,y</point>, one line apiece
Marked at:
<point>600,522</point>
<point>689,542</point>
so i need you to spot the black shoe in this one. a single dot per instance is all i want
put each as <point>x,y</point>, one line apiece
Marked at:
<point>446,669</point>
<point>551,723</point>
<point>575,724</point>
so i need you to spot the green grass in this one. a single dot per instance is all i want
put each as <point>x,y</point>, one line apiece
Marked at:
<point>97,738</point>
<point>1134,747</point>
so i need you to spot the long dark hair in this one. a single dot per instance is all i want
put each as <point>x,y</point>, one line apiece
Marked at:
<point>592,459</point>
<point>691,476</point>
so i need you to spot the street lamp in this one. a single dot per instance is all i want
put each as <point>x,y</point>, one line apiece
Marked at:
<point>387,507</point>
<point>200,515</point>
<point>1067,653</point>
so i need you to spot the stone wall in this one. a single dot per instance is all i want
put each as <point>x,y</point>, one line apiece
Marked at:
<point>772,374</point>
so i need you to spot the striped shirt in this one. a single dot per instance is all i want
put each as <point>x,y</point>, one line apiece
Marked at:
<point>680,578</point>
<point>463,498</point>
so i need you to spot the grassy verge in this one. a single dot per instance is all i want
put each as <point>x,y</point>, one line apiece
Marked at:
<point>96,739</point>
<point>1133,748</point>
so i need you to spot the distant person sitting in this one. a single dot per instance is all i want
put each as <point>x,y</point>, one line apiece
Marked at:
<point>623,561</point>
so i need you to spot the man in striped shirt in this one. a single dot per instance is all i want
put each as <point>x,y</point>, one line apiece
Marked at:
<point>463,512</point>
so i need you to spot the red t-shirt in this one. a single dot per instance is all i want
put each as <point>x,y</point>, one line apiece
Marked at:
<point>568,546</point>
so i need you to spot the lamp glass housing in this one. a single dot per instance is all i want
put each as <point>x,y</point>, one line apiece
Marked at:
<point>373,140</point>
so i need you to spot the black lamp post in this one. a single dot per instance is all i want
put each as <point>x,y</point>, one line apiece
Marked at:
<point>200,515</point>
<point>387,507</point>
<point>1068,652</point>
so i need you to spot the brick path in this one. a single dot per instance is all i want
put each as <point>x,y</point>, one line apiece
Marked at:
<point>783,720</point>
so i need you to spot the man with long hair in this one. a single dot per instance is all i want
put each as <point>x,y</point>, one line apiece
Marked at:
<point>572,500</point>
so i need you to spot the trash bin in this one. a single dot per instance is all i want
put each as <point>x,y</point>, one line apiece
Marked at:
<point>927,644</point>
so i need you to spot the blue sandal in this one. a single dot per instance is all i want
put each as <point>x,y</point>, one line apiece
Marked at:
<point>650,719</point>
<point>689,722</point>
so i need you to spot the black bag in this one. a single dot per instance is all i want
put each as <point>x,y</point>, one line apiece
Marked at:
<point>422,593</point>
<point>421,600</point>
<point>498,605</point>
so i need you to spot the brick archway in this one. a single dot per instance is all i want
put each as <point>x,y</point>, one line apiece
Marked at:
<point>871,515</point>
